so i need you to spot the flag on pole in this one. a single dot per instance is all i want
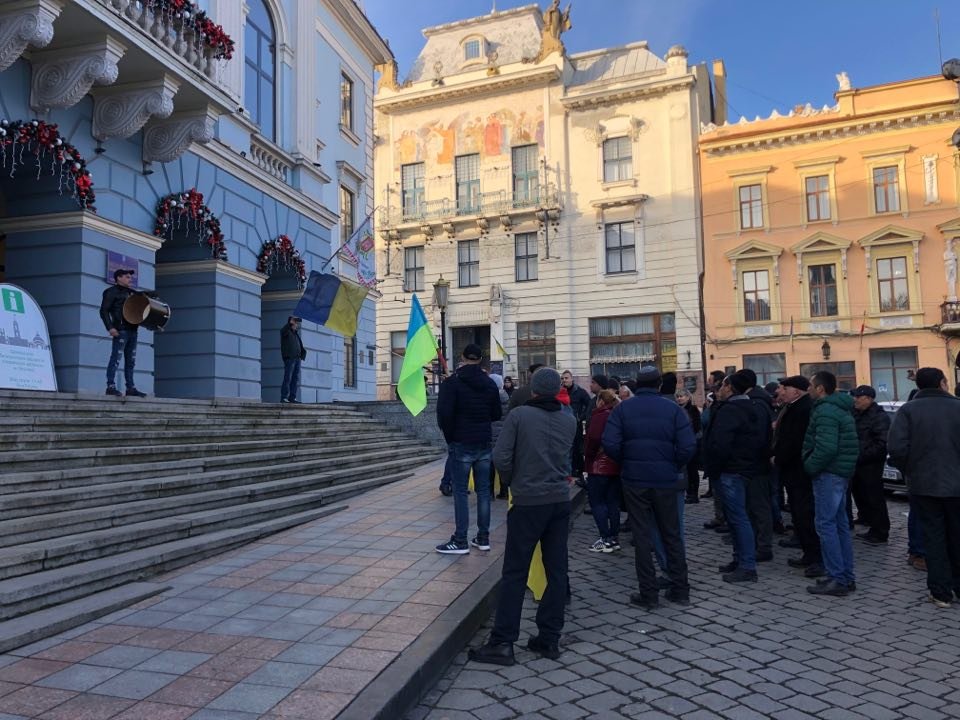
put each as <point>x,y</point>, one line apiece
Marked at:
<point>504,353</point>
<point>359,251</point>
<point>421,349</point>
<point>863,326</point>
<point>791,331</point>
<point>331,301</point>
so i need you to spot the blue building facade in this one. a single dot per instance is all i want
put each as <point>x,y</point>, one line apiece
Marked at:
<point>273,131</point>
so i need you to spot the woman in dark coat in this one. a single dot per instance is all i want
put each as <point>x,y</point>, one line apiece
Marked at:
<point>685,400</point>
<point>603,477</point>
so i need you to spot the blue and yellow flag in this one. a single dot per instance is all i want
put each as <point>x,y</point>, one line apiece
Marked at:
<point>421,349</point>
<point>331,301</point>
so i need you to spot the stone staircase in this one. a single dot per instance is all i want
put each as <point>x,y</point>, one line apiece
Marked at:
<point>99,492</point>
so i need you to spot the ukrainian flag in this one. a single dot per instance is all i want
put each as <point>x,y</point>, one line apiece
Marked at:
<point>333,302</point>
<point>421,349</point>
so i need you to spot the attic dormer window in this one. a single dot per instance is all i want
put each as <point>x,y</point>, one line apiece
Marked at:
<point>471,50</point>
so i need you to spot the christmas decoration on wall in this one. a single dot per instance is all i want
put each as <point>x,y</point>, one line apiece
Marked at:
<point>186,209</point>
<point>280,254</point>
<point>185,13</point>
<point>36,142</point>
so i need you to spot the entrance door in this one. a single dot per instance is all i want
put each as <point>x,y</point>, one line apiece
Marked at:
<point>463,336</point>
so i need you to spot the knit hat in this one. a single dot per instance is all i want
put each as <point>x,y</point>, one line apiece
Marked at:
<point>648,376</point>
<point>545,381</point>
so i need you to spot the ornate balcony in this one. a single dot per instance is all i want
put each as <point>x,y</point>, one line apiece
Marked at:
<point>269,158</point>
<point>950,317</point>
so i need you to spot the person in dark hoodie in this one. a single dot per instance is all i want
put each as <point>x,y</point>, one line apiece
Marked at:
<point>736,447</point>
<point>580,404</point>
<point>533,457</point>
<point>467,405</point>
<point>873,424</point>
<point>520,396</point>
<point>759,487</point>
<point>293,353</point>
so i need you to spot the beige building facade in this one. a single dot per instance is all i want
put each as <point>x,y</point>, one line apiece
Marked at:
<point>556,193</point>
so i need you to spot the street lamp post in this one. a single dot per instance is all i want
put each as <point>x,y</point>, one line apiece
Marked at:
<point>441,292</point>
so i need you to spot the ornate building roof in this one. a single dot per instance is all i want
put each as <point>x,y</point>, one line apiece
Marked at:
<point>612,64</point>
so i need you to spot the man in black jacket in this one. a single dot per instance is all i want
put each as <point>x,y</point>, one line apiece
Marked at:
<point>790,429</point>
<point>759,487</point>
<point>467,404</point>
<point>580,404</point>
<point>873,424</point>
<point>123,333</point>
<point>522,394</point>
<point>293,353</point>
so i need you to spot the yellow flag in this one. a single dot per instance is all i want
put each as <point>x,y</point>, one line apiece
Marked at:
<point>537,577</point>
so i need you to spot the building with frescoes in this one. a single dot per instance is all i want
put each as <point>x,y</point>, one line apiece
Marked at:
<point>192,143</point>
<point>556,192</point>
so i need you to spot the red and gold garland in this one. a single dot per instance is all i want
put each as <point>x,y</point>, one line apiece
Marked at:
<point>186,12</point>
<point>189,206</point>
<point>42,140</point>
<point>281,254</point>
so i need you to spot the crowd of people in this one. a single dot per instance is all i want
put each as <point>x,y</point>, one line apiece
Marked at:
<point>799,446</point>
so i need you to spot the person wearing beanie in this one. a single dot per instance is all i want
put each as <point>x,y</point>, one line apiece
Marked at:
<point>532,455</point>
<point>652,441</point>
<point>735,449</point>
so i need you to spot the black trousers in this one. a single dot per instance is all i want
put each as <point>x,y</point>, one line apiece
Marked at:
<point>646,505</point>
<point>758,510</point>
<point>867,489</point>
<point>940,519</point>
<point>526,526</point>
<point>800,489</point>
<point>576,454</point>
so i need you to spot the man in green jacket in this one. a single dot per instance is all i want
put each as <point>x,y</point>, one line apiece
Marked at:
<point>830,450</point>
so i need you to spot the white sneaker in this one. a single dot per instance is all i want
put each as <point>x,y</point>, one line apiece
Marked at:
<point>599,546</point>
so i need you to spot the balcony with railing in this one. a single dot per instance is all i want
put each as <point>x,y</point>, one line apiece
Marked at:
<point>950,317</point>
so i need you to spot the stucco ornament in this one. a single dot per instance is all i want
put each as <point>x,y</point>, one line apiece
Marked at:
<point>388,76</point>
<point>25,26</point>
<point>950,268</point>
<point>843,81</point>
<point>555,23</point>
<point>121,111</point>
<point>61,79</point>
<point>167,140</point>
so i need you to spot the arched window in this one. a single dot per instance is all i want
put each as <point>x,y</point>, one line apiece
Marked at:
<point>260,68</point>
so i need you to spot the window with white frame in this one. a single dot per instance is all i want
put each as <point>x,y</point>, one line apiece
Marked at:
<point>525,254</point>
<point>346,101</point>
<point>756,295</point>
<point>411,188</point>
<point>472,49</point>
<point>467,169</point>
<point>892,285</point>
<point>751,206</point>
<point>817,190</point>
<point>824,301</point>
<point>617,159</point>
<point>348,216</point>
<point>526,181</point>
<point>350,362</point>
<point>468,263</point>
<point>413,269</point>
<point>621,247</point>
<point>259,83</point>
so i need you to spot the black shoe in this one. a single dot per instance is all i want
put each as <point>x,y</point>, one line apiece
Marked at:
<point>815,570</point>
<point>727,539</point>
<point>707,494</point>
<point>446,490</point>
<point>800,562</point>
<point>503,495</point>
<point>712,524</point>
<point>729,567</point>
<point>580,482</point>
<point>871,538</point>
<point>786,508</point>
<point>790,542</point>
<point>643,601</point>
<point>678,598</point>
<point>543,648</point>
<point>481,542</point>
<point>663,583</point>
<point>294,401</point>
<point>779,529</point>
<point>113,391</point>
<point>832,587</point>
<point>764,556</point>
<point>454,547</point>
<point>861,521</point>
<point>133,392</point>
<point>740,575</point>
<point>499,654</point>
<point>722,530</point>
<point>691,500</point>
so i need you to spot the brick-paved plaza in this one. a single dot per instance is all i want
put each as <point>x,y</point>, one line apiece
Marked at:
<point>764,650</point>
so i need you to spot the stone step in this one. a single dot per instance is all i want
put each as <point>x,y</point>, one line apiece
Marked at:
<point>65,422</point>
<point>23,505</point>
<point>30,593</point>
<point>62,478</point>
<point>38,527</point>
<point>138,406</point>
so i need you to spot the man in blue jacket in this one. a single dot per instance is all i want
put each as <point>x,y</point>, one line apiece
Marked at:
<point>467,404</point>
<point>651,439</point>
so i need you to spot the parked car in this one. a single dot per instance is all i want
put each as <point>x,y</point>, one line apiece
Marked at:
<point>892,478</point>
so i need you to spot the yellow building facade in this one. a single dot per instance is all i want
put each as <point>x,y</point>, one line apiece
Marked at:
<point>830,238</point>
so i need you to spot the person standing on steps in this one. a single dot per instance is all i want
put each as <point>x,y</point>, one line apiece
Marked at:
<point>124,334</point>
<point>533,457</point>
<point>293,353</point>
<point>873,424</point>
<point>467,406</point>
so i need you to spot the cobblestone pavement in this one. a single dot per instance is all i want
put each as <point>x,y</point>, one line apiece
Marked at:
<point>764,650</point>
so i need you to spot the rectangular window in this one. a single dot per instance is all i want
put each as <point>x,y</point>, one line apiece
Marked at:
<point>617,159</point>
<point>468,262</point>
<point>621,248</point>
<point>890,370</point>
<point>846,372</point>
<point>751,207</point>
<point>347,217</point>
<point>769,368</point>
<point>886,189</point>
<point>346,102</point>
<point>536,343</point>
<point>398,348</point>
<point>622,345</point>
<point>471,50</point>
<point>823,290</point>
<point>892,284</point>
<point>468,184</point>
<point>350,362</point>
<point>526,249</point>
<point>413,269</point>
<point>526,181</point>
<point>818,198</point>
<point>756,295</point>
<point>411,189</point>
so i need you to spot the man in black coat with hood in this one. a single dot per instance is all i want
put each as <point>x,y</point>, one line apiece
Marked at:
<point>873,424</point>
<point>468,403</point>
<point>580,404</point>
<point>760,487</point>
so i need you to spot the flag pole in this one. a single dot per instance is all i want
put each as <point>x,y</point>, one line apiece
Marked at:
<point>347,241</point>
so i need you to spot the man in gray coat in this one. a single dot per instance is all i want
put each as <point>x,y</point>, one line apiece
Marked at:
<point>925,445</point>
<point>532,456</point>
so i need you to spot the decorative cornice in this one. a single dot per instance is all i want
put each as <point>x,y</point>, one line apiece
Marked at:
<point>611,95</point>
<point>762,170</point>
<point>84,221</point>
<point>122,110</point>
<point>25,22</point>
<point>345,168</point>
<point>620,201</point>
<point>359,27</point>
<point>61,78</point>
<point>219,266</point>
<point>167,140</point>
<point>816,162</point>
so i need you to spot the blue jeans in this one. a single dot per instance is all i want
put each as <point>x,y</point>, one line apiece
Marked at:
<point>604,494</point>
<point>833,526</point>
<point>291,379</point>
<point>466,458</point>
<point>658,549</point>
<point>915,544</point>
<point>735,509</point>
<point>124,344</point>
